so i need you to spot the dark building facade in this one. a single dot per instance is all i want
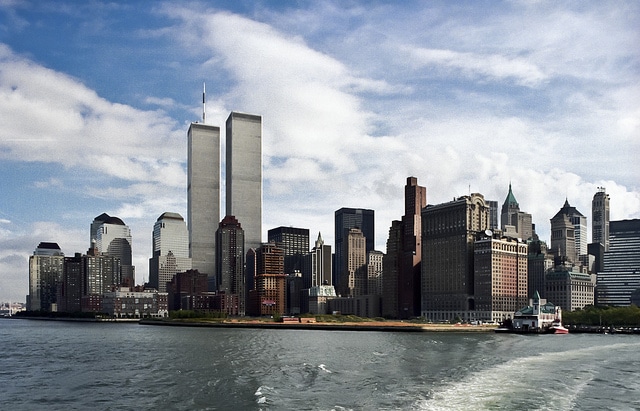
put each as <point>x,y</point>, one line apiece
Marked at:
<point>620,276</point>
<point>448,233</point>
<point>600,218</point>
<point>230,275</point>
<point>295,243</point>
<point>183,287</point>
<point>404,255</point>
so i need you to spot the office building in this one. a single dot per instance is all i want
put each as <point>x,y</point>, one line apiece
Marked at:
<point>539,262</point>
<point>569,234</point>
<point>295,242</point>
<point>318,263</point>
<point>244,174</point>
<point>268,297</point>
<point>354,270</point>
<point>494,223</point>
<point>500,276</point>
<point>230,260</point>
<point>184,288</point>
<point>600,218</point>
<point>409,275</point>
<point>345,220</point>
<point>515,223</point>
<point>402,282</point>
<point>563,243</point>
<point>620,276</point>
<point>113,238</point>
<point>569,288</point>
<point>101,275</point>
<point>448,234</point>
<point>374,272</point>
<point>390,270</point>
<point>71,286</point>
<point>45,274</point>
<point>203,195</point>
<point>170,250</point>
<point>317,278</point>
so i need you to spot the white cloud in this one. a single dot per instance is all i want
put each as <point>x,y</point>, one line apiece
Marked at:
<point>73,126</point>
<point>542,95</point>
<point>490,66</point>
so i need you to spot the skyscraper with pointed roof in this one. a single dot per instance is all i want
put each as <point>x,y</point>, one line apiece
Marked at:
<point>513,221</point>
<point>569,233</point>
<point>319,262</point>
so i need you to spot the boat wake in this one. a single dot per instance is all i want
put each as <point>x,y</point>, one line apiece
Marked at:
<point>544,381</point>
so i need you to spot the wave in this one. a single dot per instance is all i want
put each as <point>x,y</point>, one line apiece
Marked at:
<point>544,380</point>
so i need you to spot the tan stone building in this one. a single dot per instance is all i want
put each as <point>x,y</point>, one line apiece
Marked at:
<point>500,276</point>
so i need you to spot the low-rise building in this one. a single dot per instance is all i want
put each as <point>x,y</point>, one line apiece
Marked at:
<point>538,315</point>
<point>123,303</point>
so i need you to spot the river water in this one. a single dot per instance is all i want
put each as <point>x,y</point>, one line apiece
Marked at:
<point>113,366</point>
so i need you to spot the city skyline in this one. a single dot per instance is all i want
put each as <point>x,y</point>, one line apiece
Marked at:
<point>96,101</point>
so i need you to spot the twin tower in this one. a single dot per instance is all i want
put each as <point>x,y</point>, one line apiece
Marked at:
<point>243,185</point>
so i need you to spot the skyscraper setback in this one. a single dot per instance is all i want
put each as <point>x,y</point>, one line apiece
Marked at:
<point>404,250</point>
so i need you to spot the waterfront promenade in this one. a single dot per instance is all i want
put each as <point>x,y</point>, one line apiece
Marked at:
<point>391,326</point>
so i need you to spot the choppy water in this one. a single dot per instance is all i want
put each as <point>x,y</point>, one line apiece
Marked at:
<point>107,366</point>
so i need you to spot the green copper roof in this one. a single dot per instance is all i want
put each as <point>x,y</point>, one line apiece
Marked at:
<point>511,199</point>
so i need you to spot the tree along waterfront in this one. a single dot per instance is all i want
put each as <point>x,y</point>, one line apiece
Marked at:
<point>603,316</point>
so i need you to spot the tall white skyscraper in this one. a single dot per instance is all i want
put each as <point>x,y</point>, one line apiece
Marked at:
<point>244,175</point>
<point>203,195</point>
<point>170,250</point>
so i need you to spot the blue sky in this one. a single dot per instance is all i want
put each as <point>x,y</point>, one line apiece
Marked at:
<point>96,98</point>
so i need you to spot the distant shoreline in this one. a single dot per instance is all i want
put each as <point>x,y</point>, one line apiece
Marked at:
<point>392,326</point>
<point>387,326</point>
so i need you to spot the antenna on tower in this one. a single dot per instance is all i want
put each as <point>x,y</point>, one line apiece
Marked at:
<point>204,103</point>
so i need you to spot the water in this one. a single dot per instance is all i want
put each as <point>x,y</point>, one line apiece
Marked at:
<point>108,366</point>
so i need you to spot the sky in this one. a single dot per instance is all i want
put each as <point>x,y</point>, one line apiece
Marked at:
<point>96,99</point>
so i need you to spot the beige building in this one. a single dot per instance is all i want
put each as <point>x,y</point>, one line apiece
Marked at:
<point>500,275</point>
<point>374,272</point>
<point>353,281</point>
<point>570,289</point>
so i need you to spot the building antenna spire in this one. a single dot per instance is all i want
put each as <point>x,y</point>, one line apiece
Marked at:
<point>204,103</point>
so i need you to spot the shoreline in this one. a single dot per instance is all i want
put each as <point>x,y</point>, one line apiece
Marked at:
<point>326,326</point>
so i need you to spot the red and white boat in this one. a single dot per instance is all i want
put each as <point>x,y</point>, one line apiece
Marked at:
<point>556,327</point>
